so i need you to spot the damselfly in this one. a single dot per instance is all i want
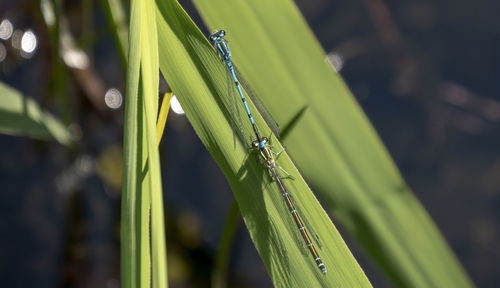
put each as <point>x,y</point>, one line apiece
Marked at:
<point>264,148</point>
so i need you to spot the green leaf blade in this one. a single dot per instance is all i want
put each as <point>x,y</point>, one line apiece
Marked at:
<point>333,143</point>
<point>197,77</point>
<point>21,115</point>
<point>143,259</point>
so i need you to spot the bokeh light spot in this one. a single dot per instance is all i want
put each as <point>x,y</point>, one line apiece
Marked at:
<point>28,42</point>
<point>16,39</point>
<point>3,52</point>
<point>336,60</point>
<point>113,98</point>
<point>6,29</point>
<point>176,106</point>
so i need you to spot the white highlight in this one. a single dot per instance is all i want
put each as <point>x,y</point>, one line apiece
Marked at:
<point>176,106</point>
<point>28,42</point>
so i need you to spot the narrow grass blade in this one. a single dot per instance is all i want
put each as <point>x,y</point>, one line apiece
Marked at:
<point>162,116</point>
<point>142,201</point>
<point>117,22</point>
<point>51,13</point>
<point>220,269</point>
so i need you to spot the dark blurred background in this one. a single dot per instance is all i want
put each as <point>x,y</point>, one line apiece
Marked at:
<point>425,72</point>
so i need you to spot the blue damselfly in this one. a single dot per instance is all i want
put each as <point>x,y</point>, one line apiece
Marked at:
<point>262,145</point>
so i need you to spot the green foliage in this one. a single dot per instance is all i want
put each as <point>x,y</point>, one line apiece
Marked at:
<point>330,140</point>
<point>21,115</point>
<point>197,76</point>
<point>142,257</point>
<point>333,143</point>
<point>115,16</point>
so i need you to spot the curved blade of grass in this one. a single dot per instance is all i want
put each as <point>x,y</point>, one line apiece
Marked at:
<point>117,22</point>
<point>162,116</point>
<point>51,13</point>
<point>21,115</point>
<point>197,77</point>
<point>142,188</point>
<point>220,269</point>
<point>333,143</point>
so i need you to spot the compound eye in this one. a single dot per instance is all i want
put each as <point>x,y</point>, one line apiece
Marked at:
<point>264,139</point>
<point>255,143</point>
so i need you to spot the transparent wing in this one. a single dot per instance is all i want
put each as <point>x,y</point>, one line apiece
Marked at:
<point>287,217</point>
<point>308,226</point>
<point>234,110</point>
<point>302,216</point>
<point>258,104</point>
